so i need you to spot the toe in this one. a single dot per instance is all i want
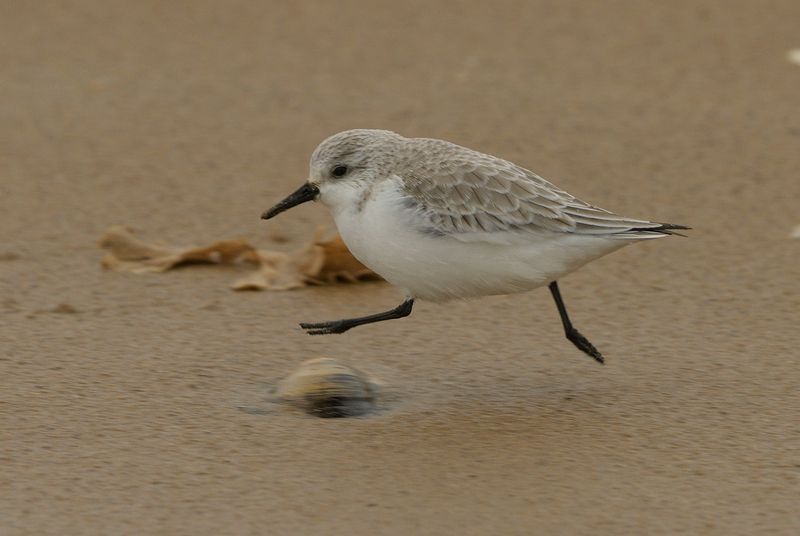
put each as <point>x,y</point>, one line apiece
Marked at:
<point>324,328</point>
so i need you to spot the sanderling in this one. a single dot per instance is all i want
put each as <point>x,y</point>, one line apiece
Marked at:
<point>441,222</point>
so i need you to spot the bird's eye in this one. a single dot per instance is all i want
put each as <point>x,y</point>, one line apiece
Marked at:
<point>339,171</point>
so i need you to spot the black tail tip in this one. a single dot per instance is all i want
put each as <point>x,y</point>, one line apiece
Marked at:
<point>665,228</point>
<point>670,228</point>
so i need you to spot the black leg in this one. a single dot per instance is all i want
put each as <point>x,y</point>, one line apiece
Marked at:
<point>340,326</point>
<point>581,342</point>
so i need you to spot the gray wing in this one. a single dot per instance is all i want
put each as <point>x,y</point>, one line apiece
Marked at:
<point>480,194</point>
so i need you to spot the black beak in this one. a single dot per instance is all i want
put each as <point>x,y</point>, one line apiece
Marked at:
<point>307,192</point>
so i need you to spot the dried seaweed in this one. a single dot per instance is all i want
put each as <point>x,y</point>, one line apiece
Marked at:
<point>321,262</point>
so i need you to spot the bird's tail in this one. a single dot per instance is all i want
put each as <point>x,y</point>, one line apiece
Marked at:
<point>651,230</point>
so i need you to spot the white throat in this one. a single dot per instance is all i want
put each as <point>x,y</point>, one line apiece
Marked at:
<point>345,197</point>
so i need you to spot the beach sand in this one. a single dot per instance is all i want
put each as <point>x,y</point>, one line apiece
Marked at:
<point>135,404</point>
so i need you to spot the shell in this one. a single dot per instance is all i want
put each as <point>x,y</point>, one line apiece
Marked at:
<point>327,388</point>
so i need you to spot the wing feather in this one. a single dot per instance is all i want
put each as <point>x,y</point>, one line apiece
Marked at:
<point>466,193</point>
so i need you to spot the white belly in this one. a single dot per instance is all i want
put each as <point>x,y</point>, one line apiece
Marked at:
<point>439,268</point>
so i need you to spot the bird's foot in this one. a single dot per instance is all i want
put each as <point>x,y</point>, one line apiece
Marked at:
<point>583,344</point>
<point>326,328</point>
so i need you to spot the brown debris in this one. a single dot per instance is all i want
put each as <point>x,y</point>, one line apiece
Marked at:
<point>63,308</point>
<point>320,262</point>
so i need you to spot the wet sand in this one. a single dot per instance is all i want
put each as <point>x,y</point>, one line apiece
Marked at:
<point>126,401</point>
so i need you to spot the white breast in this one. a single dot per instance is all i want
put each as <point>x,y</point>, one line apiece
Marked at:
<point>385,237</point>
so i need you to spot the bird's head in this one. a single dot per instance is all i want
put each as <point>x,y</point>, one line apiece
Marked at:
<point>343,166</point>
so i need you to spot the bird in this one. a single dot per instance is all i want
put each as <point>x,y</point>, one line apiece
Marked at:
<point>440,222</point>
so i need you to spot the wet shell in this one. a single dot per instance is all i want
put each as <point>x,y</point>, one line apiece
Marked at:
<point>325,387</point>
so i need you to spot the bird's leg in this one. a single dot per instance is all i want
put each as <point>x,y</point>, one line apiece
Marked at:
<point>581,342</point>
<point>340,326</point>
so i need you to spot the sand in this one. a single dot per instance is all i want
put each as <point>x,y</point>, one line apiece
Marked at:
<point>127,401</point>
